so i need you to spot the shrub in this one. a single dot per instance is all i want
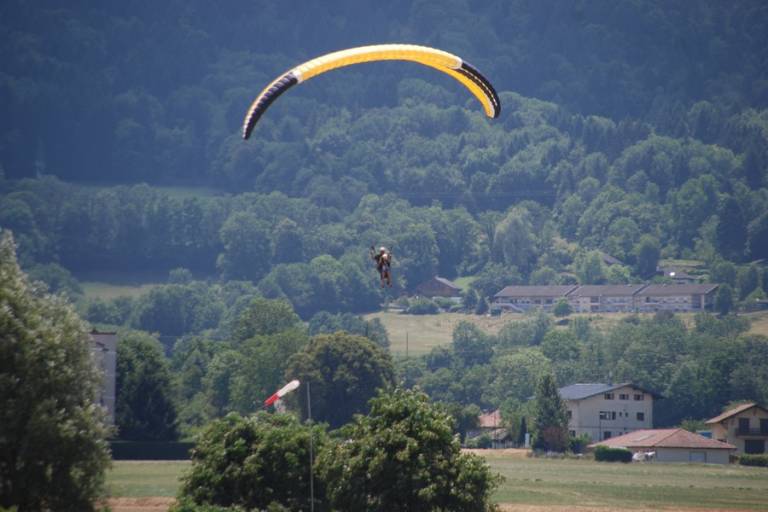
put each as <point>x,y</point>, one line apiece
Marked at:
<point>760,460</point>
<point>422,306</point>
<point>577,444</point>
<point>606,454</point>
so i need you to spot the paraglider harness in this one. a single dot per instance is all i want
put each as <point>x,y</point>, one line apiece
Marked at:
<point>383,263</point>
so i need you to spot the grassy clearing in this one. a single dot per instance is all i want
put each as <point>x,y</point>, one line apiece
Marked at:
<point>138,479</point>
<point>759,323</point>
<point>545,482</point>
<point>421,333</point>
<point>589,483</point>
<point>107,291</point>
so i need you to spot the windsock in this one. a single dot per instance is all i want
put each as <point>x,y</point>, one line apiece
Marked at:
<point>281,392</point>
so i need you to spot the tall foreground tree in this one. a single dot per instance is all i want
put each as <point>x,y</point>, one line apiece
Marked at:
<point>404,456</point>
<point>551,417</point>
<point>53,452</point>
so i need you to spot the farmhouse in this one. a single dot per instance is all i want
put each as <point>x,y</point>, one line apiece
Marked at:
<point>672,445</point>
<point>524,298</point>
<point>745,427</point>
<point>104,354</point>
<point>438,287</point>
<point>675,297</point>
<point>604,298</point>
<point>489,423</point>
<point>603,411</point>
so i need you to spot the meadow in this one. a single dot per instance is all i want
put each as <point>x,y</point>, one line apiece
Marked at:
<point>543,483</point>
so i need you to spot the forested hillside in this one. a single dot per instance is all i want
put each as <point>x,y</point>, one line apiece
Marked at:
<point>635,129</point>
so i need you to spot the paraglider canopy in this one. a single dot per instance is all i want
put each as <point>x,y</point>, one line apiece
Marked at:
<point>446,62</point>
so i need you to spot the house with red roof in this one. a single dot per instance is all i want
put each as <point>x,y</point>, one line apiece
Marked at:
<point>672,445</point>
<point>744,426</point>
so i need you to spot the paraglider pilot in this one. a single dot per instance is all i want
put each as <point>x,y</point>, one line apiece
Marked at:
<point>383,263</point>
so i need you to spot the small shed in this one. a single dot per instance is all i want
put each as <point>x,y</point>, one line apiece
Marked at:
<point>438,287</point>
<point>672,445</point>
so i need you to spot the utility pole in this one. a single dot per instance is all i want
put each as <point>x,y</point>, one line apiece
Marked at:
<point>406,344</point>
<point>311,452</point>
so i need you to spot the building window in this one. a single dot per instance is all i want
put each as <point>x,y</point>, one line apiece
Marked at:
<point>607,434</point>
<point>754,446</point>
<point>623,396</point>
<point>641,416</point>
<point>607,415</point>
<point>743,425</point>
<point>572,433</point>
<point>570,414</point>
<point>608,396</point>
<point>639,396</point>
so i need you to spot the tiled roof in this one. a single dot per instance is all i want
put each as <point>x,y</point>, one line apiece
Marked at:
<point>676,289</point>
<point>664,438</point>
<point>536,291</point>
<point>580,391</point>
<point>607,290</point>
<point>447,282</point>
<point>490,420</point>
<point>731,412</point>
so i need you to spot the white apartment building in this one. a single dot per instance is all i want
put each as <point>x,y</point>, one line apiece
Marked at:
<point>603,411</point>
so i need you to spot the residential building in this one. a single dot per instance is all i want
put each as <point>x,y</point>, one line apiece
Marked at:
<point>744,426</point>
<point>104,353</point>
<point>603,411</point>
<point>675,297</point>
<point>672,445</point>
<point>489,423</point>
<point>439,287</point>
<point>524,298</point>
<point>604,298</point>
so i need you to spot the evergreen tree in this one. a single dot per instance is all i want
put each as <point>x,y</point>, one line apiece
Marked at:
<point>731,231</point>
<point>551,425</point>
<point>724,299</point>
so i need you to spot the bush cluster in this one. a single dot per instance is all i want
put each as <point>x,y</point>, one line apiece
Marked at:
<point>760,460</point>
<point>606,454</point>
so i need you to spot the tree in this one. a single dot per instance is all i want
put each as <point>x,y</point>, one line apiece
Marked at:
<point>144,407</point>
<point>246,247</point>
<point>647,253</point>
<point>404,456</point>
<point>731,231</point>
<point>757,237</point>
<point>724,299</point>
<point>265,316</point>
<point>471,345</point>
<point>53,450</point>
<point>590,268</point>
<point>254,462</point>
<point>562,308</point>
<point>344,372</point>
<point>551,425</point>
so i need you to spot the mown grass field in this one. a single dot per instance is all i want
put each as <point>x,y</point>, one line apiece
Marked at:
<point>545,482</point>
<point>107,291</point>
<point>421,333</point>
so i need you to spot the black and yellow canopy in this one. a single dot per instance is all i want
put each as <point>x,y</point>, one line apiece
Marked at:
<point>448,63</point>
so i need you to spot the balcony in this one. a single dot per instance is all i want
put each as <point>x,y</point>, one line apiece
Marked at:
<point>752,432</point>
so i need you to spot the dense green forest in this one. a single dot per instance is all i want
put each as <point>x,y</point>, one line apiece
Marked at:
<point>638,129</point>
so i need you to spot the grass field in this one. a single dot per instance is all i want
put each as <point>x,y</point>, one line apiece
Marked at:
<point>421,333</point>
<point>139,479</point>
<point>543,482</point>
<point>626,486</point>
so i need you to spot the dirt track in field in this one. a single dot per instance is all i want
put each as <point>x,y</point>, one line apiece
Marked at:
<point>159,504</point>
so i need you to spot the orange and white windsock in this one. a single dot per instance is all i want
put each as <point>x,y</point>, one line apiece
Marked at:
<point>281,392</point>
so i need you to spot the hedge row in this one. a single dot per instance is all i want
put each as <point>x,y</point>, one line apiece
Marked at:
<point>754,460</point>
<point>606,454</point>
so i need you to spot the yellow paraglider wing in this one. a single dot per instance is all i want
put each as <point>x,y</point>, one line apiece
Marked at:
<point>448,63</point>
